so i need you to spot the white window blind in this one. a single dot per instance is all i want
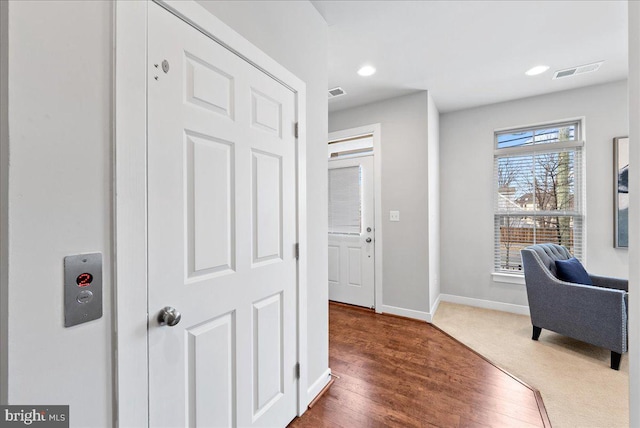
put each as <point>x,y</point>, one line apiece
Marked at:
<point>538,191</point>
<point>345,200</point>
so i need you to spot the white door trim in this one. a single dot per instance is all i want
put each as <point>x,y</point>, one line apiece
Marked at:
<point>375,130</point>
<point>131,396</point>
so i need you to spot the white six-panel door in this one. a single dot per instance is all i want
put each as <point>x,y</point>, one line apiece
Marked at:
<point>351,231</point>
<point>221,234</point>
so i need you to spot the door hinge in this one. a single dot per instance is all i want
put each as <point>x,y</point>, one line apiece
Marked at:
<point>295,130</point>
<point>296,250</point>
<point>297,370</point>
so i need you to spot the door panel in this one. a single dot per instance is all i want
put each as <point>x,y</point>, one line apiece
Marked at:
<point>221,219</point>
<point>265,113</point>
<point>334,263</point>
<point>208,86</point>
<point>267,353</point>
<point>351,223</point>
<point>355,267</point>
<point>210,360</point>
<point>210,208</point>
<point>267,219</point>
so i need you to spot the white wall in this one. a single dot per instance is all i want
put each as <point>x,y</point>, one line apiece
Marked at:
<point>60,99</point>
<point>61,84</point>
<point>295,35</point>
<point>4,168</point>
<point>634,213</point>
<point>466,154</point>
<point>405,187</point>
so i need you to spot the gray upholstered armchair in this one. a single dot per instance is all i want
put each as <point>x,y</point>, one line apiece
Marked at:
<point>594,314</point>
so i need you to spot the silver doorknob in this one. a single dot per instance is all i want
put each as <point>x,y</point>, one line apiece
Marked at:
<point>368,240</point>
<point>169,316</point>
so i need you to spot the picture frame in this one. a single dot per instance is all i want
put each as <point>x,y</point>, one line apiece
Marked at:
<point>621,192</point>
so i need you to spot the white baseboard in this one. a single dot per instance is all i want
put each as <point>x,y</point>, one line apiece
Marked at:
<point>409,313</point>
<point>317,386</point>
<point>486,304</point>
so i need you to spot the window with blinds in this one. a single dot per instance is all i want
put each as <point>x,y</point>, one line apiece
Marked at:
<point>345,201</point>
<point>539,190</point>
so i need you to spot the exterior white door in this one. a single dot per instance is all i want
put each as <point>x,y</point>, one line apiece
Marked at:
<point>351,231</point>
<point>221,237</point>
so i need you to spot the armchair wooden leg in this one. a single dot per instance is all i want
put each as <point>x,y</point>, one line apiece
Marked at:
<point>536,333</point>
<point>615,360</point>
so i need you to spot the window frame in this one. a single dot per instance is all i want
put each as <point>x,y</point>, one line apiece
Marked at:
<point>540,126</point>
<point>578,213</point>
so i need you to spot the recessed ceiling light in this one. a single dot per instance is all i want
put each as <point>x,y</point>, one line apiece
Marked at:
<point>366,70</point>
<point>538,69</point>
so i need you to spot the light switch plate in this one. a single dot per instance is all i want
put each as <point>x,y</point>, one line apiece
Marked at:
<point>82,288</point>
<point>394,215</point>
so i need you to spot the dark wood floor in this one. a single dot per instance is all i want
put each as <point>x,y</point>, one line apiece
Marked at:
<point>399,372</point>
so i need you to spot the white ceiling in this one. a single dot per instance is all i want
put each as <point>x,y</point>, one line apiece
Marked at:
<point>470,53</point>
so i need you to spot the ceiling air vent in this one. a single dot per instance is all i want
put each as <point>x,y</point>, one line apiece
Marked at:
<point>588,68</point>
<point>336,92</point>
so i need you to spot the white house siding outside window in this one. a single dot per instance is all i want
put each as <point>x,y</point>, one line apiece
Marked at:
<point>539,188</point>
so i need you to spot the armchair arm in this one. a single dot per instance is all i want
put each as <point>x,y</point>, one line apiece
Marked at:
<point>592,314</point>
<point>610,282</point>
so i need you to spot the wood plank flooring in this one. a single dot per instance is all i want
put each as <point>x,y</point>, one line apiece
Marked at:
<point>399,372</point>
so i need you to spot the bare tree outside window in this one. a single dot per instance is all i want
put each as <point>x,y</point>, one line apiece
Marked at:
<point>508,178</point>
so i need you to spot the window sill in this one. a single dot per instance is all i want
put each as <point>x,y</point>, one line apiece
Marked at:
<point>508,278</point>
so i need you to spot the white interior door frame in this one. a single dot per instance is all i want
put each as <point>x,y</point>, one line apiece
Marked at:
<point>131,395</point>
<point>375,130</point>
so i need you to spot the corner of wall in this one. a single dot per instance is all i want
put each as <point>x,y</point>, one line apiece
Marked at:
<point>4,208</point>
<point>433,161</point>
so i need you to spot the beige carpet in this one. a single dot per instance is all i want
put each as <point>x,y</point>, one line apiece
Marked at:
<point>577,385</point>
